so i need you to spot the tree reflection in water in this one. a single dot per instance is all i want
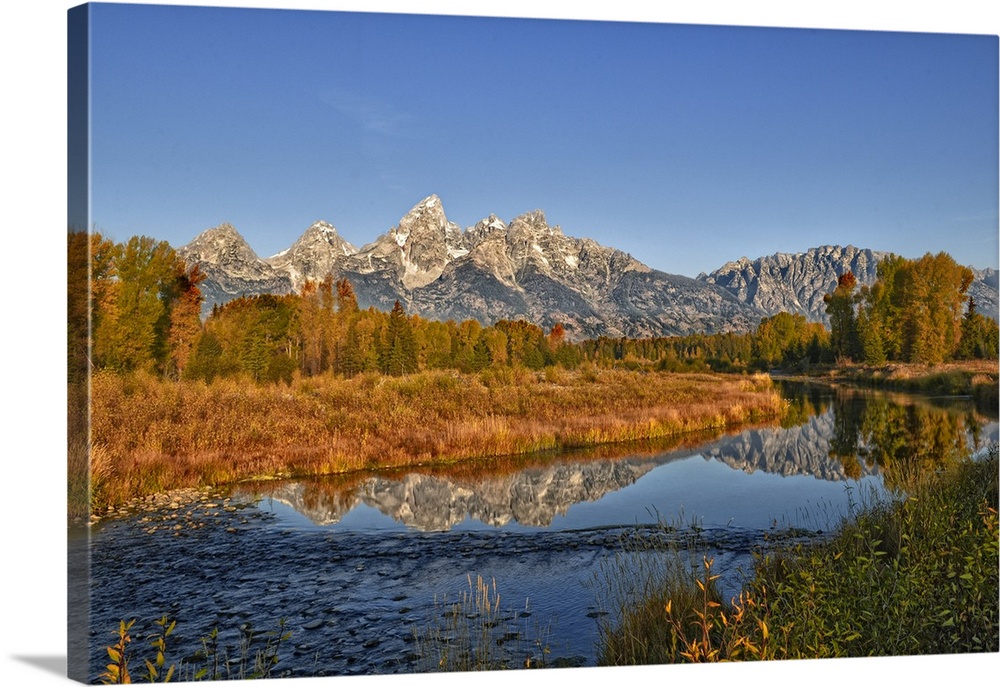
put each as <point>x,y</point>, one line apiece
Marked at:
<point>906,438</point>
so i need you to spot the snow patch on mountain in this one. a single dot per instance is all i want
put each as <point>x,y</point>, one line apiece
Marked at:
<point>529,269</point>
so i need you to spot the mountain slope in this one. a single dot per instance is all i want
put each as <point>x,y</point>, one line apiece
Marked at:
<point>796,283</point>
<point>530,270</point>
<point>319,251</point>
<point>523,270</point>
<point>231,267</point>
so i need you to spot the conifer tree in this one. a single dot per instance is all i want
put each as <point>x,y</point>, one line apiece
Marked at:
<point>399,349</point>
<point>349,361</point>
<point>979,335</point>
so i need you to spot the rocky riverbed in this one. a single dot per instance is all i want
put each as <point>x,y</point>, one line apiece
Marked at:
<point>351,602</point>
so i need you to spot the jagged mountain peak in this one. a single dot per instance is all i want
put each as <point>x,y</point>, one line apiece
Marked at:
<point>533,221</point>
<point>323,227</point>
<point>323,232</point>
<point>319,251</point>
<point>525,269</point>
<point>426,219</point>
<point>224,229</point>
<point>531,240</point>
<point>794,282</point>
<point>219,244</point>
<point>221,232</point>
<point>488,228</point>
<point>428,213</point>
<point>431,201</point>
<point>492,222</point>
<point>528,269</point>
<point>989,277</point>
<point>231,266</point>
<point>418,249</point>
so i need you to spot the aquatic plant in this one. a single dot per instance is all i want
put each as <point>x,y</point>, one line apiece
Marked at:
<point>116,672</point>
<point>653,568</point>
<point>155,667</point>
<point>475,633</point>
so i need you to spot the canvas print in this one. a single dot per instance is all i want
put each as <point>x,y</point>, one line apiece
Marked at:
<point>405,344</point>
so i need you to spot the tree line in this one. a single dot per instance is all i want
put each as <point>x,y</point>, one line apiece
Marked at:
<point>144,315</point>
<point>782,340</point>
<point>916,311</point>
<point>131,306</point>
<point>145,307</point>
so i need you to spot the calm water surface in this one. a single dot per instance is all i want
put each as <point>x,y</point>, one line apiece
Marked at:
<point>358,566</point>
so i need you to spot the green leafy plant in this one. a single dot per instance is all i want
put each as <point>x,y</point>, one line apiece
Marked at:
<point>155,668</point>
<point>908,575</point>
<point>116,672</point>
<point>255,656</point>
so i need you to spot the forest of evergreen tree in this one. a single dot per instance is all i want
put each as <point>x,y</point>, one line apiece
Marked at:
<point>144,314</point>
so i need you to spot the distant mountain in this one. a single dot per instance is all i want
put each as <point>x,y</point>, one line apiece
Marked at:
<point>984,292</point>
<point>796,283</point>
<point>530,270</point>
<point>523,270</point>
<point>231,267</point>
<point>319,251</point>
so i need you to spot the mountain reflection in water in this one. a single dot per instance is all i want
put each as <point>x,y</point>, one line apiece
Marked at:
<point>356,563</point>
<point>837,438</point>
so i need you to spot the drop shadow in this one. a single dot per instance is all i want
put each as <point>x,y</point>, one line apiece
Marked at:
<point>50,664</point>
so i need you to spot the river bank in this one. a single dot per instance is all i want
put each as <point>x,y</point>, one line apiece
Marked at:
<point>977,379</point>
<point>150,435</point>
<point>915,574</point>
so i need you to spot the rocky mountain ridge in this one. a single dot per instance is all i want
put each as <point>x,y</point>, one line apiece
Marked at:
<point>528,269</point>
<point>797,282</point>
<point>317,252</point>
<point>231,267</point>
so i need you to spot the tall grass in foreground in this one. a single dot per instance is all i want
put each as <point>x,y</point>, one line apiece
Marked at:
<point>651,569</point>
<point>150,435</point>
<point>254,657</point>
<point>914,575</point>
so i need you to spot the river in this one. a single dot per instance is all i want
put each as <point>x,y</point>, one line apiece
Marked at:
<point>363,570</point>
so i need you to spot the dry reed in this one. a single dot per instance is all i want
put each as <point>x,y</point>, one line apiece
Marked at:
<point>151,435</point>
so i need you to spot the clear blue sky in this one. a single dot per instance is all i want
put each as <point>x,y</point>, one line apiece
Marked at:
<point>685,145</point>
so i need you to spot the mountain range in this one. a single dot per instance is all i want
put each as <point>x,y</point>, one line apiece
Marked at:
<point>528,269</point>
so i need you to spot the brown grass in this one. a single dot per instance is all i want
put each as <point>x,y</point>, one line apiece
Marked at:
<point>151,435</point>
